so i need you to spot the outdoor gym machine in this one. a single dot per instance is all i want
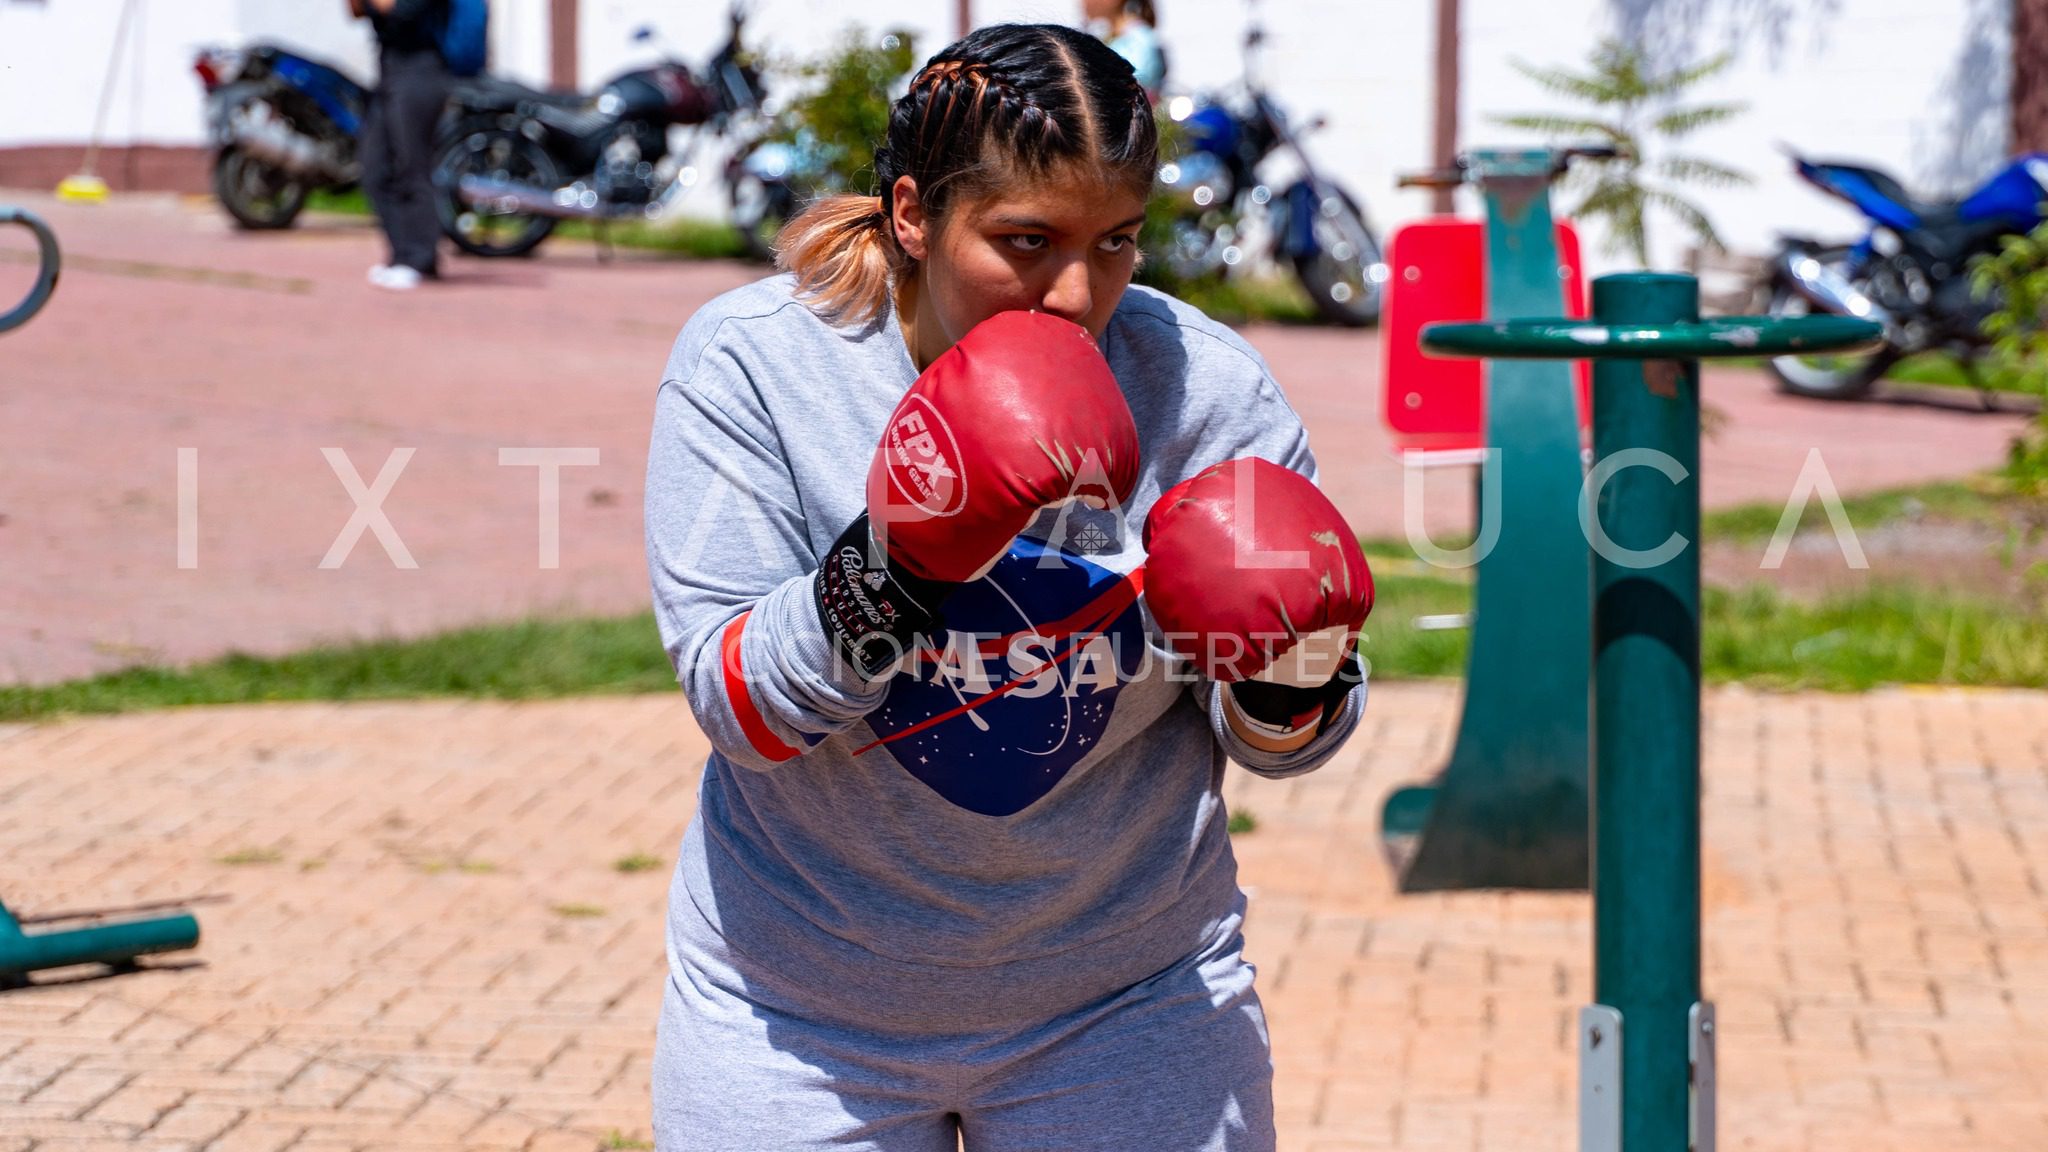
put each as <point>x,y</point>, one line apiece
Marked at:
<point>112,936</point>
<point>1509,809</point>
<point>1646,1045</point>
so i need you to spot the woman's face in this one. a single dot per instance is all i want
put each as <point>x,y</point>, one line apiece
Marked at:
<point>1065,245</point>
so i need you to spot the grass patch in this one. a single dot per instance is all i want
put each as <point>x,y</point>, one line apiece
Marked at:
<point>1879,634</point>
<point>617,1141</point>
<point>637,862</point>
<point>1847,642</point>
<point>577,911</point>
<point>350,203</point>
<point>1393,647</point>
<point>527,660</point>
<point>1248,300</point>
<point>1986,500</point>
<point>1887,634</point>
<point>688,236</point>
<point>1241,822</point>
<point>436,866</point>
<point>246,856</point>
<point>1945,372</point>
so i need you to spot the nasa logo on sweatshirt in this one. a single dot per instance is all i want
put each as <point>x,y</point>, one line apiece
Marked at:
<point>1024,686</point>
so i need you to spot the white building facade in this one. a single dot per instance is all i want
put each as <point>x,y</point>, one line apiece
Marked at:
<point>1918,87</point>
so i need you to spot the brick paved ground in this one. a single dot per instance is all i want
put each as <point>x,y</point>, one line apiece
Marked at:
<point>428,945</point>
<point>171,331</point>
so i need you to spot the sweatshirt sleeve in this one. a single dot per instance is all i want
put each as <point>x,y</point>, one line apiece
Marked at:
<point>732,565</point>
<point>1265,426</point>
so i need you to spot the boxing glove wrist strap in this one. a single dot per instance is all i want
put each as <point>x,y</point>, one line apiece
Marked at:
<point>873,609</point>
<point>1288,709</point>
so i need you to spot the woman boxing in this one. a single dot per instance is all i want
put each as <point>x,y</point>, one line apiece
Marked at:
<point>976,564</point>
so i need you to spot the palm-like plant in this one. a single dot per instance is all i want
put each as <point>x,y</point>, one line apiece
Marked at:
<point>1631,107</point>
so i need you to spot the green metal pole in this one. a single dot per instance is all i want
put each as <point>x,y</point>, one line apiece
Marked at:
<point>23,952</point>
<point>1646,708</point>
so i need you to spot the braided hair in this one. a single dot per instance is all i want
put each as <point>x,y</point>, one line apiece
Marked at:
<point>1006,103</point>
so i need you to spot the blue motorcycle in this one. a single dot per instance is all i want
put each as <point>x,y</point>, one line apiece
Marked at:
<point>283,125</point>
<point>1223,206</point>
<point>1910,271</point>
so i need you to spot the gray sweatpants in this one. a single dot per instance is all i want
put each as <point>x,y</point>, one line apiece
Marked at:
<point>761,1060</point>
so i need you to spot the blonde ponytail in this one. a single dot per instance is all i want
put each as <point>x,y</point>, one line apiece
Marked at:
<point>843,257</point>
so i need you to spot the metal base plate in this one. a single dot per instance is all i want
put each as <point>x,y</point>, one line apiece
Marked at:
<point>1599,1079</point>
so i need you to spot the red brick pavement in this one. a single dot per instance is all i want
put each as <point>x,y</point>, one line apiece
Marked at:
<point>428,944</point>
<point>170,331</point>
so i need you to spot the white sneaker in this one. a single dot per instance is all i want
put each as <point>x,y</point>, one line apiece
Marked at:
<point>395,277</point>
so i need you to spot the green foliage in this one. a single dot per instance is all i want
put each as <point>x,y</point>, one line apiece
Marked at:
<point>845,113</point>
<point>1242,823</point>
<point>1633,108</point>
<point>637,862</point>
<point>2016,280</point>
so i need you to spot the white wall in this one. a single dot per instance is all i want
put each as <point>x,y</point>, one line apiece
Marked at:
<point>1917,86</point>
<point>54,57</point>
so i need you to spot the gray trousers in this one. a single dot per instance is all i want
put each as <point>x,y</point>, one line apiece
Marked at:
<point>751,1061</point>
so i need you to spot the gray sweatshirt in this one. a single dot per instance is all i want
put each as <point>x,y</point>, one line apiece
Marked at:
<point>1036,803</point>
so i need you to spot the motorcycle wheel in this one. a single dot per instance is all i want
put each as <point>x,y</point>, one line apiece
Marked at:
<point>1341,277</point>
<point>759,210</point>
<point>501,154</point>
<point>1826,375</point>
<point>258,196</point>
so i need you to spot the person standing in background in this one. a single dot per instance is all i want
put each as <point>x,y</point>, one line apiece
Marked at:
<point>1131,29</point>
<point>398,135</point>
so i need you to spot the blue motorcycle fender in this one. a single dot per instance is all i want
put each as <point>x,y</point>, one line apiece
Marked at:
<point>1294,226</point>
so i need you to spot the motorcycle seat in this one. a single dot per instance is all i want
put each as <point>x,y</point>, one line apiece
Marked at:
<point>497,91</point>
<point>1932,213</point>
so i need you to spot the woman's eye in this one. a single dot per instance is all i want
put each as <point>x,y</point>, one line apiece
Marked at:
<point>1118,243</point>
<point>1027,243</point>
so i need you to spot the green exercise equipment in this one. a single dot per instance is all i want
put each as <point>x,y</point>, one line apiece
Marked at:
<point>107,936</point>
<point>1646,1046</point>
<point>1509,809</point>
<point>99,936</point>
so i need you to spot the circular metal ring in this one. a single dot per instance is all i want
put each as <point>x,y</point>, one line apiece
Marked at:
<point>1726,336</point>
<point>46,274</point>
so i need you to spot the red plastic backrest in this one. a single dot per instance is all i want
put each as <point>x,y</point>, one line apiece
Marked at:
<point>1438,273</point>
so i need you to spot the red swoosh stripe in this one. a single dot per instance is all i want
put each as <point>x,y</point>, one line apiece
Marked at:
<point>764,741</point>
<point>1107,608</point>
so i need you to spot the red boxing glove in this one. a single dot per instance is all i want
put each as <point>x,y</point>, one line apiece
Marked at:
<point>1253,574</point>
<point>1023,412</point>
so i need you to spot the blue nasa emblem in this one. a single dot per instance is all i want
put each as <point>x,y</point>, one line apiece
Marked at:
<point>1033,663</point>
